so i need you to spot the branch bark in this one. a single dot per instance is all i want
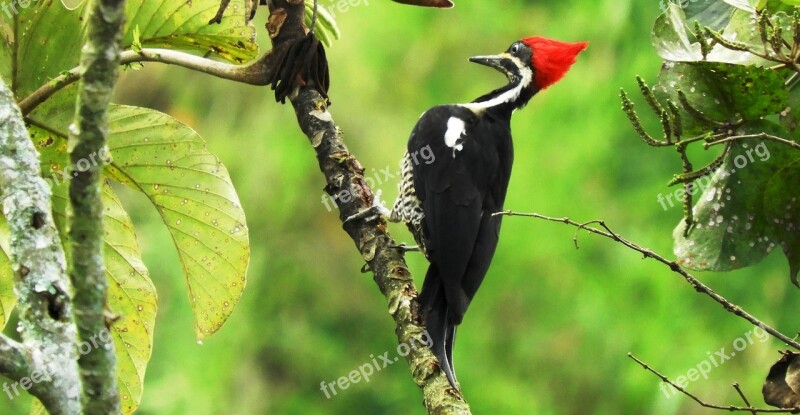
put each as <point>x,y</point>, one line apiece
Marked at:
<point>100,66</point>
<point>256,73</point>
<point>344,173</point>
<point>40,277</point>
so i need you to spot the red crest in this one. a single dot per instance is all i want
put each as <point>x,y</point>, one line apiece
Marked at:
<point>552,59</point>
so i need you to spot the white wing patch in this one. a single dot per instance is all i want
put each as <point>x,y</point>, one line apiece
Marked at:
<point>454,134</point>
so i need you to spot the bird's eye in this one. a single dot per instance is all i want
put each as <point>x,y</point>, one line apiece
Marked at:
<point>515,48</point>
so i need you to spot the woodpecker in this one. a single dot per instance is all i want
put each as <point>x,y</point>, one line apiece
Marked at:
<point>448,204</point>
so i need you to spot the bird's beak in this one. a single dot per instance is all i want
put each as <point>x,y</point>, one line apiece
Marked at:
<point>501,62</point>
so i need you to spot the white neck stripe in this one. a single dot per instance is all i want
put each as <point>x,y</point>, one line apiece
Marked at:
<point>508,96</point>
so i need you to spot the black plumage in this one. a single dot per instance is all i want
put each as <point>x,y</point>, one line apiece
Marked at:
<point>448,204</point>
<point>458,194</point>
<point>448,201</point>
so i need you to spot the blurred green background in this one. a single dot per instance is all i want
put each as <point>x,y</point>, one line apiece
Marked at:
<point>549,331</point>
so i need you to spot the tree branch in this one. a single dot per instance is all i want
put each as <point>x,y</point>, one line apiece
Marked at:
<point>344,173</point>
<point>39,267</point>
<point>704,404</point>
<point>15,361</point>
<point>100,66</point>
<point>256,73</point>
<point>674,266</point>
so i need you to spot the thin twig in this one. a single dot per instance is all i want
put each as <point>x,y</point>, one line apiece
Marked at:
<point>744,398</point>
<point>704,404</point>
<point>759,136</point>
<point>673,265</point>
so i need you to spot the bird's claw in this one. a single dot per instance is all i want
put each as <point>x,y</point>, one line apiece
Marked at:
<point>376,211</point>
<point>403,247</point>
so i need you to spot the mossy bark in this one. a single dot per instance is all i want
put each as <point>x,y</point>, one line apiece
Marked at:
<point>88,134</point>
<point>344,173</point>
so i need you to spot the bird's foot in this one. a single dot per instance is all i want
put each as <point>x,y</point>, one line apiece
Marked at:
<point>376,211</point>
<point>403,247</point>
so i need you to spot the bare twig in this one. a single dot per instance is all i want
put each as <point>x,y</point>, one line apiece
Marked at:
<point>673,265</point>
<point>744,398</point>
<point>760,136</point>
<point>731,408</point>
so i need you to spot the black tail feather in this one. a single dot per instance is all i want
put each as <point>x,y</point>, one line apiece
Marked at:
<point>442,333</point>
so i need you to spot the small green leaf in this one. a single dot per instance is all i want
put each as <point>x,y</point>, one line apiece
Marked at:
<point>136,43</point>
<point>326,29</point>
<point>168,162</point>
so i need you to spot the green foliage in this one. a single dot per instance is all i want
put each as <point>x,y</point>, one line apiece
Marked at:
<point>718,74</point>
<point>325,28</point>
<point>544,310</point>
<point>149,152</point>
<point>169,163</point>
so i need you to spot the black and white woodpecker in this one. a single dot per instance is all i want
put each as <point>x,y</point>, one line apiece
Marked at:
<point>448,204</point>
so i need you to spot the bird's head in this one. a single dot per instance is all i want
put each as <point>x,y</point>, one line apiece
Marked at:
<point>536,61</point>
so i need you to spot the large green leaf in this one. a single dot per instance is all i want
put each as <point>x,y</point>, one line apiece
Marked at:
<point>732,228</point>
<point>169,162</point>
<point>181,24</point>
<point>45,38</point>
<point>713,13</point>
<point>783,211</point>
<point>131,294</point>
<point>674,40</point>
<point>724,92</point>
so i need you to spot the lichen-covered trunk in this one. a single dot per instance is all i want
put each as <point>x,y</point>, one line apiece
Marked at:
<point>47,352</point>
